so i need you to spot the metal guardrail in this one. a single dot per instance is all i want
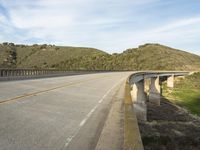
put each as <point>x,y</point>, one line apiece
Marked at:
<point>28,73</point>
<point>5,72</point>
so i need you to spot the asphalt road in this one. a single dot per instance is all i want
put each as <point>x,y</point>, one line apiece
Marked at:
<point>56,113</point>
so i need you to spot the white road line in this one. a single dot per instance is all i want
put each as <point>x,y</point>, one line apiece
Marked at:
<point>69,139</point>
<point>101,100</point>
<point>83,122</point>
<point>88,116</point>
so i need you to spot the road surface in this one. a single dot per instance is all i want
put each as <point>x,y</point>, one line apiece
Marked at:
<point>56,113</point>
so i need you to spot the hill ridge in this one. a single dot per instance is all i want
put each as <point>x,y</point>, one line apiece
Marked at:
<point>150,56</point>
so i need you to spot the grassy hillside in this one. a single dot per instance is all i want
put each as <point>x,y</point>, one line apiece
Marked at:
<point>159,57</point>
<point>145,57</point>
<point>186,93</point>
<point>44,56</point>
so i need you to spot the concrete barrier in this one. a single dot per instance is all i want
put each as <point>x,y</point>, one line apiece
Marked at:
<point>132,137</point>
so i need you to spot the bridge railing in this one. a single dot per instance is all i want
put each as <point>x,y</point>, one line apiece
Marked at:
<point>28,73</point>
<point>5,72</point>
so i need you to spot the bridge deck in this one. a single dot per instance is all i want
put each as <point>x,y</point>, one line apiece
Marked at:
<point>49,113</point>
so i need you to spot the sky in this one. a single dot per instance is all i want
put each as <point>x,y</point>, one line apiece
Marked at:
<point>109,25</point>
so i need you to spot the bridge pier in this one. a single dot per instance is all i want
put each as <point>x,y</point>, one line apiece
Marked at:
<point>139,98</point>
<point>170,81</point>
<point>154,91</point>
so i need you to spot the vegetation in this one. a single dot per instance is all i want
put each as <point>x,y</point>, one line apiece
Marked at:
<point>186,93</point>
<point>8,57</point>
<point>145,57</point>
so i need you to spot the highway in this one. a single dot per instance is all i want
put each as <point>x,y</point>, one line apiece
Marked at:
<point>56,113</point>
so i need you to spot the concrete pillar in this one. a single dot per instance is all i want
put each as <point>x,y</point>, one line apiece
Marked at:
<point>134,93</point>
<point>154,91</point>
<point>139,100</point>
<point>170,81</point>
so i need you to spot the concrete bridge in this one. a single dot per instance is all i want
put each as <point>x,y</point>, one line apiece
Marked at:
<point>84,111</point>
<point>138,94</point>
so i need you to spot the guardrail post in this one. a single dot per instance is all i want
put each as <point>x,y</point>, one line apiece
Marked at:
<point>16,72</point>
<point>19,72</point>
<point>154,91</point>
<point>13,72</point>
<point>23,72</point>
<point>7,73</point>
<point>34,72</point>
<point>1,73</point>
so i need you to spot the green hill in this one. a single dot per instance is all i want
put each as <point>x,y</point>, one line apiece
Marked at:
<point>42,56</point>
<point>145,57</point>
<point>159,57</point>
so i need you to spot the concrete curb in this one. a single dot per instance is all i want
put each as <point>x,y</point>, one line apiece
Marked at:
<point>132,137</point>
<point>121,129</point>
<point>111,137</point>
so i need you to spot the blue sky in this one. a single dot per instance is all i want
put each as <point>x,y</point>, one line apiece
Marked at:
<point>110,25</point>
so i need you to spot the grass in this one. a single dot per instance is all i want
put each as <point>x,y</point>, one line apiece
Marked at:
<point>186,93</point>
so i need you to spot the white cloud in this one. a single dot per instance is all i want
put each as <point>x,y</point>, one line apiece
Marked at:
<point>111,25</point>
<point>178,24</point>
<point>40,19</point>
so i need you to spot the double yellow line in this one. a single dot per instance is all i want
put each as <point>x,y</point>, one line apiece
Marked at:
<point>47,90</point>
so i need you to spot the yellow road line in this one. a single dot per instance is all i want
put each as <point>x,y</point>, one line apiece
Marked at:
<point>47,90</point>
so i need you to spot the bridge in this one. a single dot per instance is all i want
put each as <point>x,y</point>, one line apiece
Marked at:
<point>75,110</point>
